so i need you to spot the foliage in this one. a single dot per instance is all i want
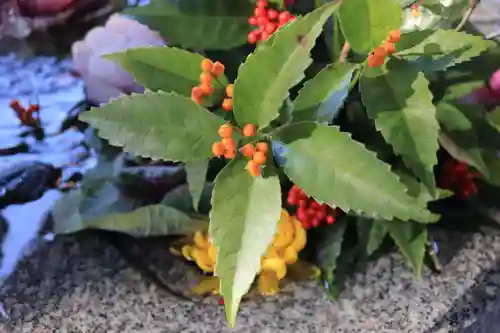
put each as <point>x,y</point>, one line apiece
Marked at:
<point>366,134</point>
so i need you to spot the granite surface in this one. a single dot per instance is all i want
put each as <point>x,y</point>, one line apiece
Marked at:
<point>82,284</point>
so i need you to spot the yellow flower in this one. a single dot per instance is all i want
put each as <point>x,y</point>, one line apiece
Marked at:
<point>290,239</point>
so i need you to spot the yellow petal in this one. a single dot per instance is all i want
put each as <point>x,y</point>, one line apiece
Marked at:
<point>268,283</point>
<point>199,240</point>
<point>271,252</point>
<point>186,251</point>
<point>202,259</point>
<point>212,253</point>
<point>285,233</point>
<point>276,265</point>
<point>300,239</point>
<point>206,285</point>
<point>290,255</point>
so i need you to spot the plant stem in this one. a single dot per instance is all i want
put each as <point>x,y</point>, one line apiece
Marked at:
<point>344,52</point>
<point>468,13</point>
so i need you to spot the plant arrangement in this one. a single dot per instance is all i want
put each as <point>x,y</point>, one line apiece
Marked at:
<point>292,127</point>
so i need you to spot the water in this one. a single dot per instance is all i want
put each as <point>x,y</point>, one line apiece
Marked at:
<point>48,82</point>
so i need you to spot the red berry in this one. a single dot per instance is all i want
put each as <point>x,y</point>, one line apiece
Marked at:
<point>330,219</point>
<point>271,28</point>
<point>253,36</point>
<point>272,14</point>
<point>252,20</point>
<point>262,21</point>
<point>260,12</point>
<point>302,215</point>
<point>284,17</point>
<point>302,203</point>
<point>315,223</point>
<point>320,214</point>
<point>292,200</point>
<point>262,3</point>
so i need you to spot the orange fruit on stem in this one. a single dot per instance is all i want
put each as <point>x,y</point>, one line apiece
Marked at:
<point>218,69</point>
<point>227,104</point>
<point>249,130</point>
<point>390,48</point>
<point>206,78</point>
<point>247,150</point>
<point>225,131</point>
<point>229,143</point>
<point>394,36</point>
<point>229,90</point>
<point>207,65</point>
<point>259,158</point>
<point>253,168</point>
<point>207,89</point>
<point>218,149</point>
<point>262,146</point>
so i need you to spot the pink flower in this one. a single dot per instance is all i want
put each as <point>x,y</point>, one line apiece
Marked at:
<point>104,79</point>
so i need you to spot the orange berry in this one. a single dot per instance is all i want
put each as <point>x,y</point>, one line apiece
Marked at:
<point>394,36</point>
<point>207,65</point>
<point>230,154</point>
<point>253,168</point>
<point>374,61</point>
<point>259,158</point>
<point>206,78</point>
<point>227,104</point>
<point>262,147</point>
<point>229,90</point>
<point>229,144</point>
<point>218,69</point>
<point>197,100</point>
<point>218,149</point>
<point>196,92</point>
<point>207,89</point>
<point>248,150</point>
<point>390,48</point>
<point>225,131</point>
<point>380,51</point>
<point>249,130</point>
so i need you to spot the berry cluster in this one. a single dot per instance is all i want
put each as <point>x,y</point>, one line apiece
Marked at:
<point>257,153</point>
<point>267,21</point>
<point>29,116</point>
<point>205,88</point>
<point>309,212</point>
<point>377,57</point>
<point>226,147</point>
<point>457,178</point>
<point>227,104</point>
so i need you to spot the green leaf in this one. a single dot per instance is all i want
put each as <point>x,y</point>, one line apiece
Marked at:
<point>268,73</point>
<point>243,221</point>
<point>462,79</point>
<point>158,125</point>
<point>329,252</point>
<point>199,24</point>
<point>196,174</point>
<point>166,68</point>
<point>322,97</point>
<point>466,133</point>
<point>147,221</point>
<point>398,99</point>
<point>371,233</point>
<point>446,48</point>
<point>333,168</point>
<point>411,239</point>
<point>366,23</point>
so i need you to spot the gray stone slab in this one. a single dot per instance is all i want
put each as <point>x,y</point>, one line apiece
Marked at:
<point>81,284</point>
